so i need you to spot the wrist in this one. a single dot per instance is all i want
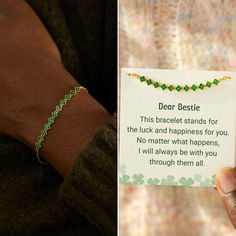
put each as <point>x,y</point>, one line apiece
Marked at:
<point>42,101</point>
<point>73,129</point>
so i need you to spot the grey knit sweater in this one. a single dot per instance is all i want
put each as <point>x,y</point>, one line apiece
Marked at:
<point>36,200</point>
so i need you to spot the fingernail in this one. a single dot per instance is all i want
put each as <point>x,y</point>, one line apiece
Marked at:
<point>226,180</point>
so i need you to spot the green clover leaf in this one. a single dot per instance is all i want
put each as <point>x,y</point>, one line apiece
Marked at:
<point>169,181</point>
<point>122,169</point>
<point>153,181</point>
<point>213,180</point>
<point>206,183</point>
<point>124,179</point>
<point>138,179</point>
<point>197,178</point>
<point>186,182</point>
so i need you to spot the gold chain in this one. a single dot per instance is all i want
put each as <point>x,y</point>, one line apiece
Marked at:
<point>178,87</point>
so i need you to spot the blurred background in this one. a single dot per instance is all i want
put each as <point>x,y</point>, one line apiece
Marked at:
<point>175,34</point>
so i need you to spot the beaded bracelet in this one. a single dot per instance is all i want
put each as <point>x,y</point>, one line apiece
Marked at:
<point>51,120</point>
<point>179,87</point>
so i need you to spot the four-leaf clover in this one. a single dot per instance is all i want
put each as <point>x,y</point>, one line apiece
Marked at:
<point>169,180</point>
<point>197,178</point>
<point>122,169</point>
<point>206,183</point>
<point>138,179</point>
<point>186,182</point>
<point>213,180</point>
<point>153,181</point>
<point>124,179</point>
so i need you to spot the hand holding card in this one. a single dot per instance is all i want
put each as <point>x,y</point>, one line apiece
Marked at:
<point>176,127</point>
<point>226,186</point>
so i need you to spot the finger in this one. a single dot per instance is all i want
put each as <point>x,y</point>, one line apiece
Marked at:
<point>226,186</point>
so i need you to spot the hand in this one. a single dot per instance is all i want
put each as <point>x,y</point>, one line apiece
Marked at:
<point>226,186</point>
<point>33,81</point>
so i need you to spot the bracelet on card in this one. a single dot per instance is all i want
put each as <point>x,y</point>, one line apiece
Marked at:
<point>178,88</point>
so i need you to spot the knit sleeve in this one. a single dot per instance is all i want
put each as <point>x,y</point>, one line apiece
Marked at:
<point>91,186</point>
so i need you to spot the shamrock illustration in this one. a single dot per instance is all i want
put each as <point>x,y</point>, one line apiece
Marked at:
<point>122,169</point>
<point>213,179</point>
<point>197,178</point>
<point>186,182</point>
<point>169,181</point>
<point>153,181</point>
<point>124,179</point>
<point>206,183</point>
<point>138,179</point>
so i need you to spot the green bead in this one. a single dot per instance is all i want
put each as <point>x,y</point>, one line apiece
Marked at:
<point>156,85</point>
<point>63,102</point>
<point>38,145</point>
<point>72,92</point>
<point>77,89</point>
<point>44,132</point>
<point>142,78</point>
<point>208,84</point>
<point>67,97</point>
<point>201,86</point>
<point>54,114</point>
<point>40,138</point>
<point>171,87</point>
<point>58,108</point>
<point>47,126</point>
<point>163,87</point>
<point>149,82</point>
<point>50,120</point>
<point>186,88</point>
<point>194,87</point>
<point>178,88</point>
<point>216,81</point>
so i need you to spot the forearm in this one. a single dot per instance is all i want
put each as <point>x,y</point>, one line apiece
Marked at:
<point>73,129</point>
<point>33,81</point>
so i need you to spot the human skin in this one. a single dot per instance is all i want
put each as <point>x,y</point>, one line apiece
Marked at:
<point>33,81</point>
<point>226,187</point>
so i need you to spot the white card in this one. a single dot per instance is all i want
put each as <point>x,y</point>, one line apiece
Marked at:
<point>175,138</point>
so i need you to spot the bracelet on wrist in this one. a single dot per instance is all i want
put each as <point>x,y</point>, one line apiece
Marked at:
<point>51,120</point>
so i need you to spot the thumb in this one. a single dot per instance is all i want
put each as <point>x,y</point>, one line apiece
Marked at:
<point>226,186</point>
